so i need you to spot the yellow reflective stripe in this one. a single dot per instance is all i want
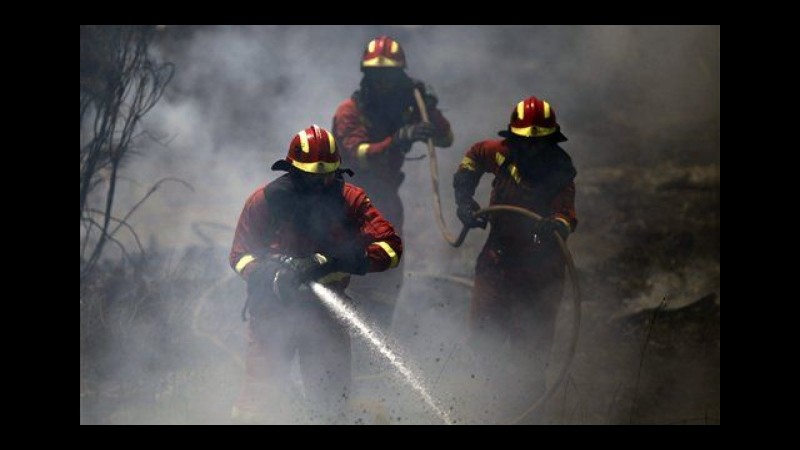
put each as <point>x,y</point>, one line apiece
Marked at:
<point>362,150</point>
<point>525,131</point>
<point>333,277</point>
<point>533,131</point>
<point>380,61</point>
<point>468,163</point>
<point>243,262</point>
<point>546,109</point>
<point>371,46</point>
<point>542,131</point>
<point>332,142</point>
<point>389,251</point>
<point>316,167</point>
<point>303,141</point>
<point>512,169</point>
<point>395,47</point>
<point>521,110</point>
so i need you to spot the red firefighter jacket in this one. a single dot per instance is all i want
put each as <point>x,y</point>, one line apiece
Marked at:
<point>547,189</point>
<point>365,134</point>
<point>279,219</point>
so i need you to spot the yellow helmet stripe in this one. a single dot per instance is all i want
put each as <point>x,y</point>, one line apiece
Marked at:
<point>371,46</point>
<point>389,251</point>
<point>533,131</point>
<point>316,167</point>
<point>332,141</point>
<point>243,262</point>
<point>521,110</point>
<point>304,141</point>
<point>380,61</point>
<point>546,109</point>
<point>395,47</point>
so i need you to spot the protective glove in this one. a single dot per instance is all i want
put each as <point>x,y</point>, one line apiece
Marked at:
<point>466,213</point>
<point>420,131</point>
<point>428,94</point>
<point>430,99</point>
<point>295,271</point>
<point>353,262</point>
<point>285,284</point>
<point>259,275</point>
<point>356,262</point>
<point>545,227</point>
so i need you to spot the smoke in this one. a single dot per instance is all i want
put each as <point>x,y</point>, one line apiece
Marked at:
<point>378,344</point>
<point>628,98</point>
<point>623,95</point>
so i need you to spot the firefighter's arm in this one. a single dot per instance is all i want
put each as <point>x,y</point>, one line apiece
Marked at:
<point>466,180</point>
<point>264,270</point>
<point>478,160</point>
<point>384,246</point>
<point>249,241</point>
<point>563,206</point>
<point>442,132</point>
<point>352,134</point>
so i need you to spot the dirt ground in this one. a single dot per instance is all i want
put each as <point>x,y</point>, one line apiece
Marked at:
<point>162,339</point>
<point>648,350</point>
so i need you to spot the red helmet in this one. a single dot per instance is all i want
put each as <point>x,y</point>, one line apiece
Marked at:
<point>383,51</point>
<point>312,150</point>
<point>533,118</point>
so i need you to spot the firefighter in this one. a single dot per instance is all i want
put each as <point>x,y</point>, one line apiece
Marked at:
<point>376,128</point>
<point>308,224</point>
<point>520,271</point>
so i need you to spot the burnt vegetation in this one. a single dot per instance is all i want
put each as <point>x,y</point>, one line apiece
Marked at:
<point>161,335</point>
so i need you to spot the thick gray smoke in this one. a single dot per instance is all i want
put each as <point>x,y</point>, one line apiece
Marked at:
<point>635,103</point>
<point>624,95</point>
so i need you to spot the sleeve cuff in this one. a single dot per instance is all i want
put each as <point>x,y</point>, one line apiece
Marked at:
<point>243,262</point>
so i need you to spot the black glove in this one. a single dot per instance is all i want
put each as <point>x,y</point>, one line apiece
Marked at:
<point>356,262</point>
<point>430,99</point>
<point>295,271</point>
<point>415,132</point>
<point>428,94</point>
<point>466,213</point>
<point>545,227</point>
<point>259,275</point>
<point>285,283</point>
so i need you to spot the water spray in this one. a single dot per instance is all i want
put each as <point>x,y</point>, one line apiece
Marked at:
<point>349,316</point>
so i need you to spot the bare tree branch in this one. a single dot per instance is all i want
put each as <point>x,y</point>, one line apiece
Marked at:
<point>149,193</point>
<point>119,85</point>
<point>111,238</point>
<point>126,225</point>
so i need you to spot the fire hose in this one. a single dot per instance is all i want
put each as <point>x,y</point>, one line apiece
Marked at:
<point>494,209</point>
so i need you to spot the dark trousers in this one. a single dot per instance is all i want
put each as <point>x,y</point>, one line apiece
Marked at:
<point>512,325</point>
<point>276,334</point>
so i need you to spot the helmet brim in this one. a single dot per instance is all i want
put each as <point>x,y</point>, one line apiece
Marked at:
<point>282,165</point>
